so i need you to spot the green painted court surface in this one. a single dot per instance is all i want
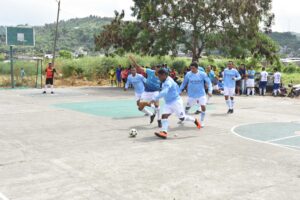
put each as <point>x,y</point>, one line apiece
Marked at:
<point>123,108</point>
<point>284,134</point>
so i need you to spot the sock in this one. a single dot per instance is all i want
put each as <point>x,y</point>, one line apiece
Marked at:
<point>260,91</point>
<point>165,125</point>
<point>253,91</point>
<point>265,90</point>
<point>248,91</point>
<point>189,119</point>
<point>46,87</point>
<point>228,102</point>
<point>52,88</point>
<point>275,92</point>
<point>146,111</point>
<point>202,116</point>
<point>232,104</point>
<point>157,111</point>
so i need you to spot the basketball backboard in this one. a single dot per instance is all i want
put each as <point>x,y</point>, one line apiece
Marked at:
<point>20,36</point>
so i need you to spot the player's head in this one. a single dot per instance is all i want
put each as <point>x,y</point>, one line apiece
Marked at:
<point>275,70</point>
<point>194,67</point>
<point>208,68</point>
<point>230,65</point>
<point>251,67</point>
<point>162,75</point>
<point>133,71</point>
<point>50,65</point>
<point>263,69</point>
<point>157,68</point>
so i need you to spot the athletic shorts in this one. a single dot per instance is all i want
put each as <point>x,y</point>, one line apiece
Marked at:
<point>138,96</point>
<point>196,101</point>
<point>175,108</point>
<point>276,86</point>
<point>229,91</point>
<point>149,96</point>
<point>49,81</point>
<point>250,83</point>
<point>262,84</point>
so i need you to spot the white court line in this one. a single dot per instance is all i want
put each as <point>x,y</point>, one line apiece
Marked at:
<point>284,138</point>
<point>2,197</point>
<point>263,142</point>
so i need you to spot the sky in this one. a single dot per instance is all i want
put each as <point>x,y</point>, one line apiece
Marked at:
<point>39,12</point>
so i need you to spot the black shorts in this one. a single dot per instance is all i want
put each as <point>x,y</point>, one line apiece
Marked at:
<point>49,81</point>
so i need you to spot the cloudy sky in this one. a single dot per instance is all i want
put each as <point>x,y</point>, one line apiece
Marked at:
<point>38,12</point>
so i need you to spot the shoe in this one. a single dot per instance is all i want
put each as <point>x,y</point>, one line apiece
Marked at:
<point>159,123</point>
<point>198,124</point>
<point>152,117</point>
<point>197,112</point>
<point>202,124</point>
<point>52,92</point>
<point>44,92</point>
<point>229,111</point>
<point>162,134</point>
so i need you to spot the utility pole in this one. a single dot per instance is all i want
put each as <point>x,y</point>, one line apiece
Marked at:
<point>56,33</point>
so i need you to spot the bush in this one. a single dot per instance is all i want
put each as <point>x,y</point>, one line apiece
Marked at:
<point>179,65</point>
<point>290,68</point>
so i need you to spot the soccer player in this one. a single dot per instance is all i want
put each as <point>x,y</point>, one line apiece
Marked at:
<point>195,80</point>
<point>230,77</point>
<point>263,82</point>
<point>173,103</point>
<point>277,82</point>
<point>137,80</point>
<point>250,81</point>
<point>50,70</point>
<point>152,88</point>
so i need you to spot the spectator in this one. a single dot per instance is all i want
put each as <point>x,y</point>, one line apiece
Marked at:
<point>22,74</point>
<point>242,71</point>
<point>239,82</point>
<point>210,73</point>
<point>250,81</point>
<point>112,76</point>
<point>186,70</point>
<point>221,73</point>
<point>263,82</point>
<point>124,76</point>
<point>173,74</point>
<point>277,82</point>
<point>119,78</point>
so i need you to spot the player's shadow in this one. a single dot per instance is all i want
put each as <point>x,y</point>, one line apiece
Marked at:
<point>122,118</point>
<point>219,114</point>
<point>157,139</point>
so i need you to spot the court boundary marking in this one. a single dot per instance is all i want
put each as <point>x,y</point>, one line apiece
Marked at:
<point>2,197</point>
<point>289,147</point>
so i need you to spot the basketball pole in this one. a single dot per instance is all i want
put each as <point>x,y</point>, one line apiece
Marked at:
<point>12,67</point>
<point>56,34</point>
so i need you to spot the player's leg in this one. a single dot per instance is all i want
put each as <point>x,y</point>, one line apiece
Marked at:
<point>261,88</point>
<point>202,103</point>
<point>46,86</point>
<point>227,100</point>
<point>158,114</point>
<point>190,103</point>
<point>52,85</point>
<point>167,111</point>
<point>178,109</point>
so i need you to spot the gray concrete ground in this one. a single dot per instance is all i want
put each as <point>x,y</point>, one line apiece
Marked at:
<point>50,153</point>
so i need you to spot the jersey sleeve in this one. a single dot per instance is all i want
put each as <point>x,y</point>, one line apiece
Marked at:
<point>208,82</point>
<point>127,83</point>
<point>184,84</point>
<point>237,75</point>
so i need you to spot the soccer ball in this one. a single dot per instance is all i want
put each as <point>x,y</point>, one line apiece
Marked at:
<point>133,133</point>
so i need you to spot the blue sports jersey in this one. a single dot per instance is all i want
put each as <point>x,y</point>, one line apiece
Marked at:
<point>211,75</point>
<point>137,81</point>
<point>251,74</point>
<point>170,91</point>
<point>152,83</point>
<point>230,77</point>
<point>196,84</point>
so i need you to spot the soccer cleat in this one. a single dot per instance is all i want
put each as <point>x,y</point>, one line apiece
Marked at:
<point>44,92</point>
<point>198,124</point>
<point>152,117</point>
<point>162,134</point>
<point>229,111</point>
<point>159,123</point>
<point>52,92</point>
<point>197,112</point>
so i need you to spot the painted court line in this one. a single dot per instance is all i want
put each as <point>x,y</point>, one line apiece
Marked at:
<point>2,197</point>
<point>284,138</point>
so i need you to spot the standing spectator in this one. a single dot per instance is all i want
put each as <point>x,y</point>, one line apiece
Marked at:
<point>119,78</point>
<point>124,76</point>
<point>239,82</point>
<point>277,82</point>
<point>263,82</point>
<point>112,76</point>
<point>173,74</point>
<point>221,73</point>
<point>22,74</point>
<point>250,81</point>
<point>50,71</point>
<point>242,72</point>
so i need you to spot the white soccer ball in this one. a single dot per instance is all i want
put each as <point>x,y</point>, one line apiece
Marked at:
<point>133,133</point>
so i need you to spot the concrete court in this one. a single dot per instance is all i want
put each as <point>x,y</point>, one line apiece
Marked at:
<point>51,152</point>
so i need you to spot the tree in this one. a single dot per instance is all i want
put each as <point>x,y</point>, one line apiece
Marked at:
<point>191,22</point>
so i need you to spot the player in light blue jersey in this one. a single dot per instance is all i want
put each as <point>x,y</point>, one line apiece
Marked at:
<point>173,103</point>
<point>195,81</point>
<point>230,76</point>
<point>152,88</point>
<point>250,74</point>
<point>138,81</point>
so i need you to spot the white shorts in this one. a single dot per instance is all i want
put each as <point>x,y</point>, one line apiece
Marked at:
<point>138,96</point>
<point>175,108</point>
<point>229,92</point>
<point>149,96</point>
<point>196,101</point>
<point>250,83</point>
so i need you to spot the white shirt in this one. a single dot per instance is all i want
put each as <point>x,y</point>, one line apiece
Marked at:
<point>264,76</point>
<point>277,78</point>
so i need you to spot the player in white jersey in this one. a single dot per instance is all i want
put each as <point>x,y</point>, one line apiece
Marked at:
<point>230,75</point>
<point>277,82</point>
<point>263,82</point>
